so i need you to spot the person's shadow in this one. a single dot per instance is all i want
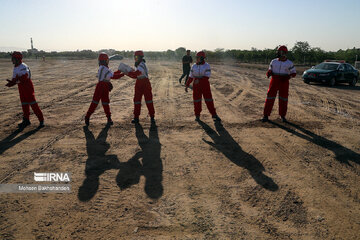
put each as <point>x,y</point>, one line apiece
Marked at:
<point>11,141</point>
<point>97,162</point>
<point>342,154</point>
<point>129,172</point>
<point>150,167</point>
<point>224,142</point>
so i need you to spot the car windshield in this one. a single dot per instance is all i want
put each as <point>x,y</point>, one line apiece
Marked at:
<point>327,66</point>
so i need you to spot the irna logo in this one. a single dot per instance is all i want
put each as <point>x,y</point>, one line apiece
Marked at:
<point>52,177</point>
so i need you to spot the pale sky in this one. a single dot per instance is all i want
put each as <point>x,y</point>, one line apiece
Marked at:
<point>161,25</point>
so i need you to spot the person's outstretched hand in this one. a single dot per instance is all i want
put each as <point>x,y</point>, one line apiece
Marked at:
<point>10,83</point>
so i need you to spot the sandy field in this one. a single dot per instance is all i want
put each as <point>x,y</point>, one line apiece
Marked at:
<point>181,179</point>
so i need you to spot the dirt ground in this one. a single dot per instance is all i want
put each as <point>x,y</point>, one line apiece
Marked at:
<point>181,179</point>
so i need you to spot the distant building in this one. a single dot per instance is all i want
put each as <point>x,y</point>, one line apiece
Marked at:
<point>32,50</point>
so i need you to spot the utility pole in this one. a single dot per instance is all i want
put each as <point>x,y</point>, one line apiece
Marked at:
<point>32,47</point>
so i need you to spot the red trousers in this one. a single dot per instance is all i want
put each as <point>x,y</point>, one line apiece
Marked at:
<point>201,87</point>
<point>143,87</point>
<point>27,98</point>
<point>281,84</point>
<point>101,93</point>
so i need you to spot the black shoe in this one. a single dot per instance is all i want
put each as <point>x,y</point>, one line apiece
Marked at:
<point>41,124</point>
<point>24,123</point>
<point>180,80</point>
<point>216,118</point>
<point>265,119</point>
<point>110,121</point>
<point>135,120</point>
<point>197,118</point>
<point>283,119</point>
<point>152,119</point>
<point>87,121</point>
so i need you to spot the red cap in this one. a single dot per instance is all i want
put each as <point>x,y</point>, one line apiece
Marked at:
<point>139,53</point>
<point>103,57</point>
<point>17,55</point>
<point>283,48</point>
<point>201,54</point>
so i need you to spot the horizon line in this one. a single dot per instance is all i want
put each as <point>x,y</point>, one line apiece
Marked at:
<point>11,49</point>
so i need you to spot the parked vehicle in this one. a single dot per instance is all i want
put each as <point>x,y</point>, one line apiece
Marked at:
<point>332,72</point>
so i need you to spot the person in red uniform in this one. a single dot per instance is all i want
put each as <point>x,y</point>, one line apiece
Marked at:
<point>103,87</point>
<point>281,70</point>
<point>22,77</point>
<point>142,87</point>
<point>200,74</point>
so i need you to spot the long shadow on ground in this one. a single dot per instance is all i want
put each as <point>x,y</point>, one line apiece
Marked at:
<point>150,167</point>
<point>146,162</point>
<point>342,154</point>
<point>224,142</point>
<point>10,141</point>
<point>97,163</point>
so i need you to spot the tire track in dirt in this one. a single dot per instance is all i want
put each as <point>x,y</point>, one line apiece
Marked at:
<point>332,180</point>
<point>35,153</point>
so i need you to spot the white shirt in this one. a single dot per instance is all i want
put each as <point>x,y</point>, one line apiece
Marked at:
<point>104,74</point>
<point>21,70</point>
<point>144,71</point>
<point>282,67</point>
<point>201,70</point>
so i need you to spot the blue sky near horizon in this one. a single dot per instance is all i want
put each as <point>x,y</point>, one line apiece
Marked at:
<point>161,25</point>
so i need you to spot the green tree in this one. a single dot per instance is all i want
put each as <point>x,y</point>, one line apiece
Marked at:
<point>179,52</point>
<point>301,51</point>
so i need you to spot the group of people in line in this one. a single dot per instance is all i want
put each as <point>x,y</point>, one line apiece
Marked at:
<point>281,70</point>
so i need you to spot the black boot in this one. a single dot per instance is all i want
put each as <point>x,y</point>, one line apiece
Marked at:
<point>265,119</point>
<point>110,121</point>
<point>135,120</point>
<point>24,123</point>
<point>216,118</point>
<point>41,124</point>
<point>152,120</point>
<point>283,119</point>
<point>197,118</point>
<point>87,121</point>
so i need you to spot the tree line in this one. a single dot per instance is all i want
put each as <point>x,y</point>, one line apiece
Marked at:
<point>300,53</point>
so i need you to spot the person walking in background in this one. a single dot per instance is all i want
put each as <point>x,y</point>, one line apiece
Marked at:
<point>186,61</point>
<point>22,77</point>
<point>281,70</point>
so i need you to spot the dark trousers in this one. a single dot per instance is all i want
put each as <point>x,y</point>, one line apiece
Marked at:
<point>186,72</point>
